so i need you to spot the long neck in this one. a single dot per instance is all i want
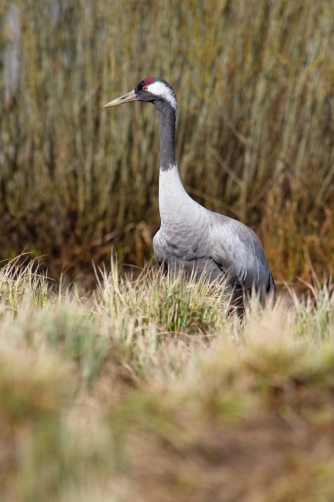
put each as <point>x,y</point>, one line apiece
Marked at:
<point>167,136</point>
<point>175,205</point>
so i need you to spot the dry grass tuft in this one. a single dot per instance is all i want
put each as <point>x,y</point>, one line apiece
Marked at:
<point>102,397</point>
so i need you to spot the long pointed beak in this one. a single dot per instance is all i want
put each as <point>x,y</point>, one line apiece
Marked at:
<point>130,96</point>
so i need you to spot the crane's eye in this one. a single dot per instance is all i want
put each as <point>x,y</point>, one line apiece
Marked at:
<point>145,88</point>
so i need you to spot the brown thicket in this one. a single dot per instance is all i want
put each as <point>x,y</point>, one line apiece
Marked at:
<point>255,134</point>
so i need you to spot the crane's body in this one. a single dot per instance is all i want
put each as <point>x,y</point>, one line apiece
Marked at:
<point>191,237</point>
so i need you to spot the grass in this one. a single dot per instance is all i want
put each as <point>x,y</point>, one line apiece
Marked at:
<point>145,389</point>
<point>254,138</point>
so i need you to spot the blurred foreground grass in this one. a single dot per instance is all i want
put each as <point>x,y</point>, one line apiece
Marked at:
<point>255,86</point>
<point>145,390</point>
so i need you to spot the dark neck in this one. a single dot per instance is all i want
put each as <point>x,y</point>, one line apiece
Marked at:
<point>167,135</point>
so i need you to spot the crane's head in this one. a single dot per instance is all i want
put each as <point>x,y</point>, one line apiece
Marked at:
<point>152,90</point>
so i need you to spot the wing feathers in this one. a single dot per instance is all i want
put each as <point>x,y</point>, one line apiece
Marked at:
<point>233,247</point>
<point>246,260</point>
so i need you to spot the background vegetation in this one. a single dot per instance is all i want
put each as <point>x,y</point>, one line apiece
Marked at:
<point>145,389</point>
<point>254,82</point>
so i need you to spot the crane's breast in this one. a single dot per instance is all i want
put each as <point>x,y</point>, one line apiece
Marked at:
<point>190,258</point>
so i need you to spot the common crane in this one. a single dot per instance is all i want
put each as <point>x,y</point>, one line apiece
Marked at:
<point>191,237</point>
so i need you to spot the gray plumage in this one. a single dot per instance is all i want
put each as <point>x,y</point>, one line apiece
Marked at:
<point>191,237</point>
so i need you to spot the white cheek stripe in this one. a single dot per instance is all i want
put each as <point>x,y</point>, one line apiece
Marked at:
<point>159,89</point>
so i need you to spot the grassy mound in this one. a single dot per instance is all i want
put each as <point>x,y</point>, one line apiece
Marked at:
<point>146,390</point>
